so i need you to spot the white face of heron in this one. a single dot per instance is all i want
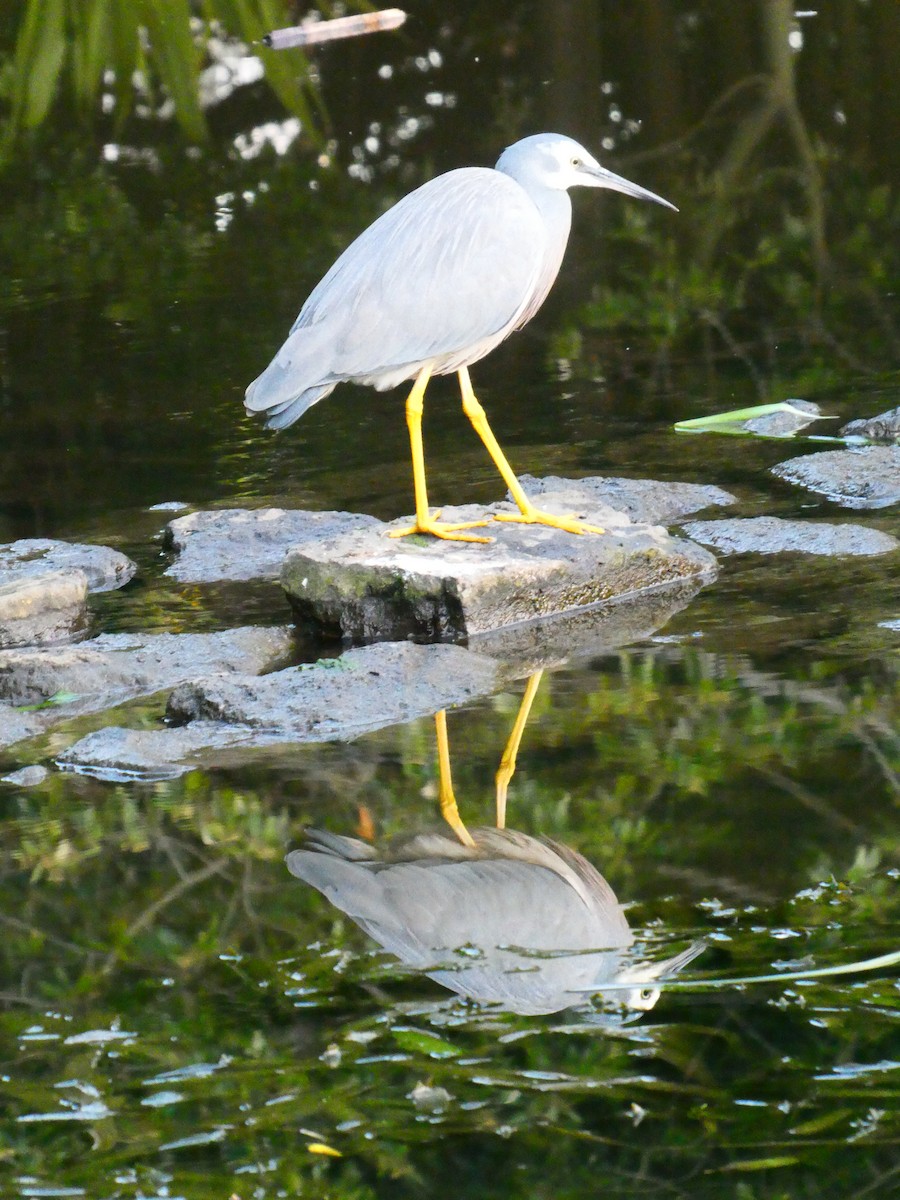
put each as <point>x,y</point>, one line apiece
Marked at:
<point>572,165</point>
<point>559,163</point>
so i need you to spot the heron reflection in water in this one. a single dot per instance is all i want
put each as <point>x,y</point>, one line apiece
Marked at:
<point>493,914</point>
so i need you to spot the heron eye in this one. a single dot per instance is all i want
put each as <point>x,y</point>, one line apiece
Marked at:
<point>646,993</point>
<point>576,161</point>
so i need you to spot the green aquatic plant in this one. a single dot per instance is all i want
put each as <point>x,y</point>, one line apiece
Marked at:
<point>114,56</point>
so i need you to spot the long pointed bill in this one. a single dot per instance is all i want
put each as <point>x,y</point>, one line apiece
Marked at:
<point>600,177</point>
<point>671,966</point>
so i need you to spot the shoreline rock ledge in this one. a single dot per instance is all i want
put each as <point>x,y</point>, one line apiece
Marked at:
<point>360,585</point>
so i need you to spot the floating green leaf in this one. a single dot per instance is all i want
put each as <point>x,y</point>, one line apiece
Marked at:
<point>737,421</point>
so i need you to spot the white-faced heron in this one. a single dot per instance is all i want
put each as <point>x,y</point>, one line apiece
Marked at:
<point>431,287</point>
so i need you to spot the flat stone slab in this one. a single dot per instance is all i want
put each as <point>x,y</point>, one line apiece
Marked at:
<point>236,544</point>
<point>652,501</point>
<point>43,609</point>
<point>859,477</point>
<point>774,535</point>
<point>335,700</point>
<point>363,586</point>
<point>105,569</point>
<point>116,667</point>
<point>340,698</point>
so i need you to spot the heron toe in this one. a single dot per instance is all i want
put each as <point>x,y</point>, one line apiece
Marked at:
<point>442,529</point>
<point>536,516</point>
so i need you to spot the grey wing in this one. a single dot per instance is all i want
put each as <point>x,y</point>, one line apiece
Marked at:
<point>446,273</point>
<point>419,910</point>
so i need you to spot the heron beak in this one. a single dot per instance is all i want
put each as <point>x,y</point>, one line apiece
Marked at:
<point>650,972</point>
<point>598,176</point>
<point>671,966</point>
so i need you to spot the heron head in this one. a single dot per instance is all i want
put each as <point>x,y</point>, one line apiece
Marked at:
<point>645,977</point>
<point>553,161</point>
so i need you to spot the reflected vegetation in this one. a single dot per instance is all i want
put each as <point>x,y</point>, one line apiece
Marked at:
<point>172,1003</point>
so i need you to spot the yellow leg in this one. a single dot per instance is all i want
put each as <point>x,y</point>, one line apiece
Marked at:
<point>508,762</point>
<point>425,523</point>
<point>528,513</point>
<point>449,810</point>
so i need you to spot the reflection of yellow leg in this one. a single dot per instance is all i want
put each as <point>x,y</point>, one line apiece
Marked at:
<point>528,514</point>
<point>424,523</point>
<point>508,761</point>
<point>449,811</point>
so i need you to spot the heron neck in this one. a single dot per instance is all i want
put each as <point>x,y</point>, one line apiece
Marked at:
<point>555,208</point>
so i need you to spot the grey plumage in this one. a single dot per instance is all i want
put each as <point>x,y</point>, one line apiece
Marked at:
<point>546,926</point>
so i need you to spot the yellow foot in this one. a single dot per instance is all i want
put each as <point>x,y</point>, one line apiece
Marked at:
<point>535,516</point>
<point>441,529</point>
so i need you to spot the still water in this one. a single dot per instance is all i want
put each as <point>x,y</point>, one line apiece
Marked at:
<point>182,1016</point>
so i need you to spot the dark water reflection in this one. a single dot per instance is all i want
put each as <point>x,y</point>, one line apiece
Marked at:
<point>180,1017</point>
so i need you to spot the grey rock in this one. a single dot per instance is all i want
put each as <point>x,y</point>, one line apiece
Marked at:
<point>118,754</point>
<point>239,544</point>
<point>41,609</point>
<point>883,428</point>
<point>598,629</point>
<point>17,726</point>
<point>341,698</point>
<point>773,535</point>
<point>105,569</point>
<point>784,424</point>
<point>27,776</point>
<point>859,477</point>
<point>650,500</point>
<point>228,719</point>
<point>116,667</point>
<point>363,586</point>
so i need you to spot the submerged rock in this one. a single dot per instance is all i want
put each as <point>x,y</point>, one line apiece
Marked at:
<point>116,667</point>
<point>774,535</point>
<point>859,477</point>
<point>118,754</point>
<point>363,586</point>
<point>104,569</point>
<point>334,700</point>
<point>41,609</point>
<point>883,428</point>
